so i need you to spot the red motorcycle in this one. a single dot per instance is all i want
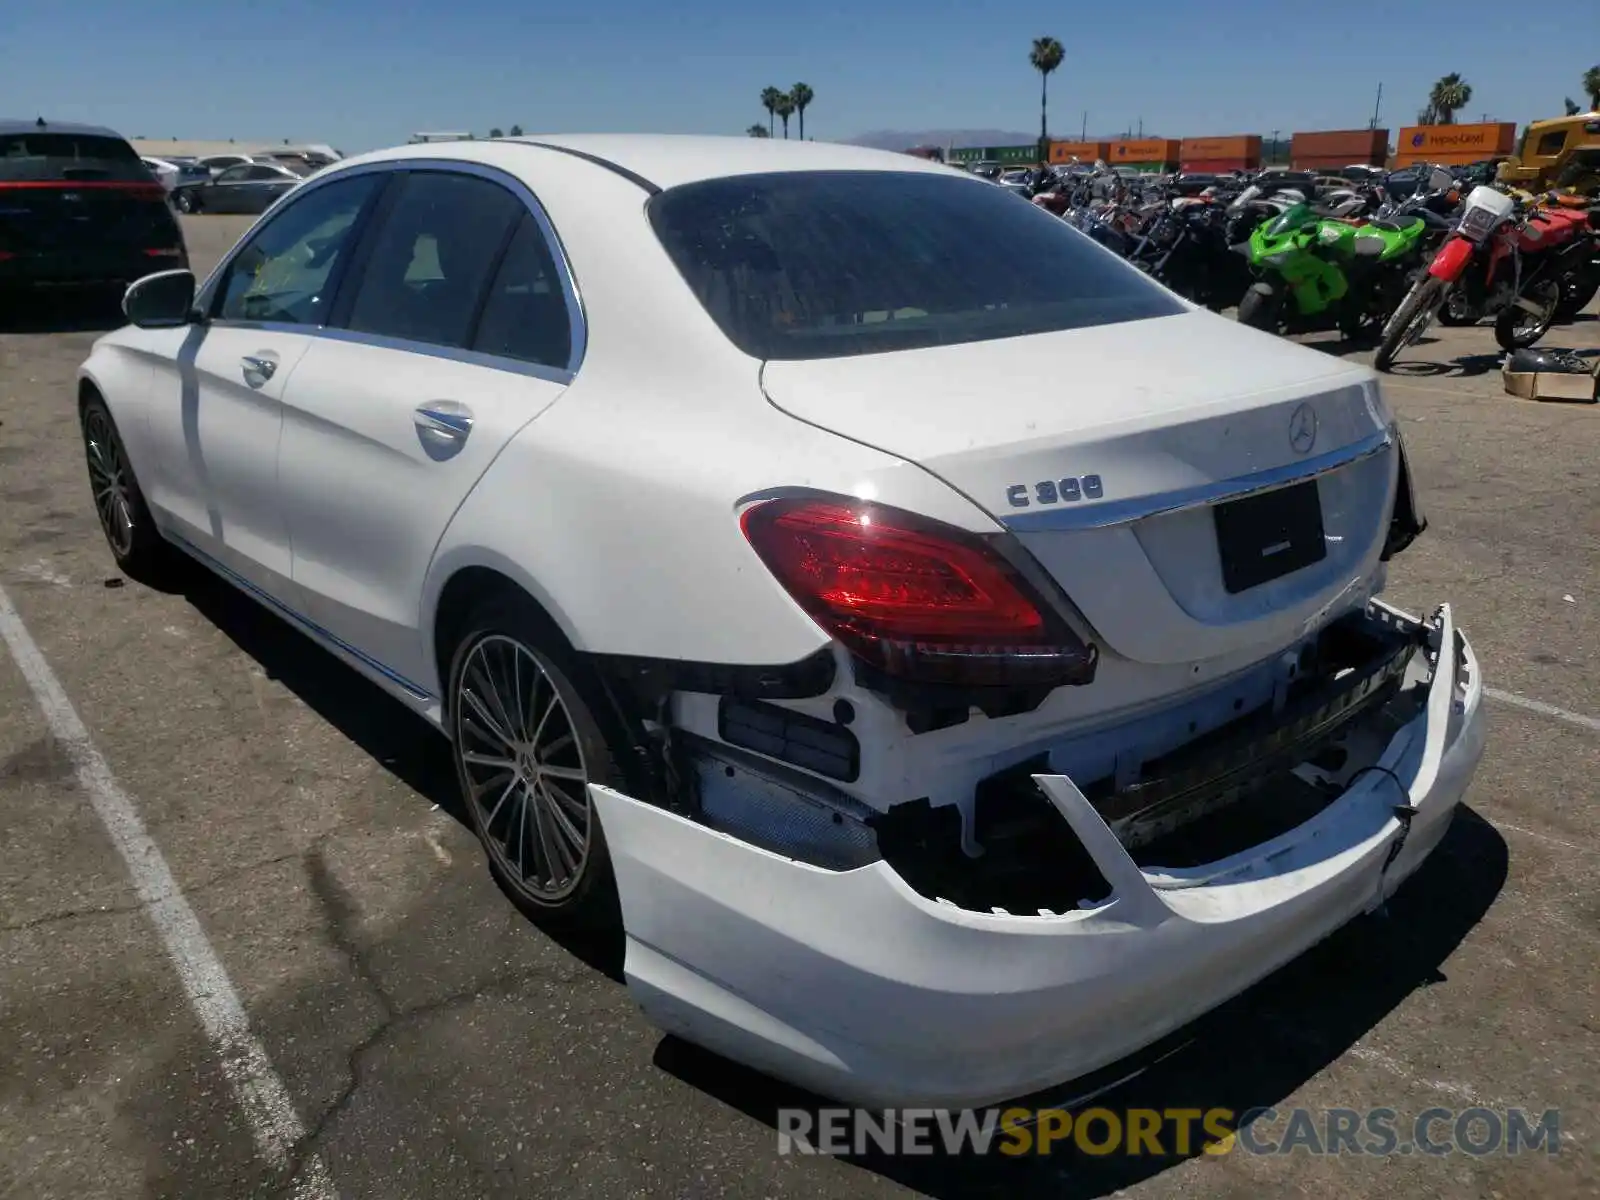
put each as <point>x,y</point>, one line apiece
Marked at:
<point>1503,260</point>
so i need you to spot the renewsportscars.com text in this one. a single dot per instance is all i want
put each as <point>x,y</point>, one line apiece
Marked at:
<point>1181,1132</point>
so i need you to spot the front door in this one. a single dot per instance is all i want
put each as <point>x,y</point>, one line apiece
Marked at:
<point>218,388</point>
<point>455,335</point>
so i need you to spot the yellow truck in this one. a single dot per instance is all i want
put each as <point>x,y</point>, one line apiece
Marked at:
<point>1561,152</point>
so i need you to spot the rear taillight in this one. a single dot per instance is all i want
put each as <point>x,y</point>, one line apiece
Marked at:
<point>164,252</point>
<point>914,598</point>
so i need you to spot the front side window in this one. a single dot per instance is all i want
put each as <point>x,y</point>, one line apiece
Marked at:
<point>282,274</point>
<point>823,264</point>
<point>432,258</point>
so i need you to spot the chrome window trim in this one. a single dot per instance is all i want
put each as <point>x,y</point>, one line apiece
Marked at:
<point>577,316</point>
<point>1069,518</point>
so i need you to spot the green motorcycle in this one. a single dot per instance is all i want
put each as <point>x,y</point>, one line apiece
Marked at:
<point>1323,272</point>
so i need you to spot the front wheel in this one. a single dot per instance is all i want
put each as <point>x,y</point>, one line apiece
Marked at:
<point>1579,289</point>
<point>184,202</point>
<point>138,547</point>
<point>1517,327</point>
<point>1411,320</point>
<point>1259,308</point>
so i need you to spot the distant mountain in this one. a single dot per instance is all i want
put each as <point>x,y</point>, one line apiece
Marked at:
<point>895,139</point>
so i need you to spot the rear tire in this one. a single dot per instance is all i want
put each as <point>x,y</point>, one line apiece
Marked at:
<point>1512,329</point>
<point>526,744</point>
<point>1259,308</point>
<point>1577,296</point>
<point>140,551</point>
<point>1420,305</point>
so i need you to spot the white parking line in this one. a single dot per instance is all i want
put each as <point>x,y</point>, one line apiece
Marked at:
<point>256,1087</point>
<point>1540,707</point>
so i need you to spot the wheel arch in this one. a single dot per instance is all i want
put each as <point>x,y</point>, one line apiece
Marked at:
<point>464,583</point>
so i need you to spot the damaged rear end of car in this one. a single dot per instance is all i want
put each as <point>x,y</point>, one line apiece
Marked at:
<point>1067,776</point>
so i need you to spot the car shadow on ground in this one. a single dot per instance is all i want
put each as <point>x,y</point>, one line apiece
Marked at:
<point>396,738</point>
<point>1250,1054</point>
<point>62,312</point>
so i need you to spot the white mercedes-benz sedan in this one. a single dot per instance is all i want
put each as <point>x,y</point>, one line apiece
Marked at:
<point>954,659</point>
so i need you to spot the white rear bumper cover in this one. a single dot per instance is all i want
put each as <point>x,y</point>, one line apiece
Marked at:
<point>855,986</point>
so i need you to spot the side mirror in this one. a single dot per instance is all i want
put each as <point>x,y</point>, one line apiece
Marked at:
<point>164,300</point>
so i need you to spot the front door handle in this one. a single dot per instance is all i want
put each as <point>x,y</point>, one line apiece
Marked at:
<point>443,426</point>
<point>258,368</point>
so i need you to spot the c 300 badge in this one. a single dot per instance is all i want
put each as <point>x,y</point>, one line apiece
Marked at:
<point>1056,491</point>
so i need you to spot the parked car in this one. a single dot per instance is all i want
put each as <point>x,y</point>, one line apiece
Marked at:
<point>215,164</point>
<point>171,172</point>
<point>932,741</point>
<point>250,187</point>
<point>78,207</point>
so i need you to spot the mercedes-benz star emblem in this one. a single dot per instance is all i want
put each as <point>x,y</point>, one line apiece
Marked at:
<point>1303,429</point>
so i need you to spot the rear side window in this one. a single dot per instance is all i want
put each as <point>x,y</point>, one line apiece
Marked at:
<point>824,264</point>
<point>525,316</point>
<point>432,258</point>
<point>67,157</point>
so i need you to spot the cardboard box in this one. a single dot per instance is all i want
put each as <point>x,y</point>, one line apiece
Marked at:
<point>1553,385</point>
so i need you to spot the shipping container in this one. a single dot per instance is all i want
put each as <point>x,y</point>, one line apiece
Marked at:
<point>1217,166</point>
<point>1454,144</point>
<point>1339,147</point>
<point>1240,151</point>
<point>1087,152</point>
<point>1136,151</point>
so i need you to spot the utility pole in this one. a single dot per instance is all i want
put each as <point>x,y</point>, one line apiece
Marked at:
<point>1083,135</point>
<point>1375,105</point>
<point>1141,126</point>
<point>1274,147</point>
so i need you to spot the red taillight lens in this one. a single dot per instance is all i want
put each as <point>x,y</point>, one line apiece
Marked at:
<point>915,598</point>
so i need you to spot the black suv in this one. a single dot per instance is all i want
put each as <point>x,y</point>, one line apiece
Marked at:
<point>77,207</point>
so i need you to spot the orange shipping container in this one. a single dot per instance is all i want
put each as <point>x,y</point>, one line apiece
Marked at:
<point>1454,143</point>
<point>1244,149</point>
<point>1339,147</point>
<point>1144,150</point>
<point>1065,152</point>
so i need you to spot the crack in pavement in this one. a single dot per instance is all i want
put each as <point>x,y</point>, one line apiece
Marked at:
<point>341,916</point>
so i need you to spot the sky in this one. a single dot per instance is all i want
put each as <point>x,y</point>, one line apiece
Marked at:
<point>360,74</point>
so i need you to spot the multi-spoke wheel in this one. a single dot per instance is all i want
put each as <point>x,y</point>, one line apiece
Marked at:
<point>527,746</point>
<point>135,543</point>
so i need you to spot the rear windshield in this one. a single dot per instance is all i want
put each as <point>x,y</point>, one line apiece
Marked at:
<point>70,157</point>
<point>825,264</point>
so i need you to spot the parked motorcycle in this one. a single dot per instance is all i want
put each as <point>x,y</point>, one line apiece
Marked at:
<point>1504,260</point>
<point>1321,270</point>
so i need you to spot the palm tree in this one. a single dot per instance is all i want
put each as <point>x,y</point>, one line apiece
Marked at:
<point>495,132</point>
<point>758,131</point>
<point>785,109</point>
<point>802,95</point>
<point>1045,56</point>
<point>1591,84</point>
<point>769,101</point>
<point>1449,95</point>
<point>516,131</point>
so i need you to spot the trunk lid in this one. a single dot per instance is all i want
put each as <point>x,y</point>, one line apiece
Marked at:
<point>1110,451</point>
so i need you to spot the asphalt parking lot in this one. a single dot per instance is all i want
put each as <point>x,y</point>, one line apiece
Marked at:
<point>434,1043</point>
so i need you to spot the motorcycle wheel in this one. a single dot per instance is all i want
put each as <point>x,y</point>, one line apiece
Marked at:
<point>1416,312</point>
<point>1516,328</point>
<point>1579,290</point>
<point>1259,308</point>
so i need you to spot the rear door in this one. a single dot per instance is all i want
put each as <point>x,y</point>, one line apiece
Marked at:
<point>458,327</point>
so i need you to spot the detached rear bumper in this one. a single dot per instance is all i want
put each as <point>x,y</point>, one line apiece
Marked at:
<point>854,985</point>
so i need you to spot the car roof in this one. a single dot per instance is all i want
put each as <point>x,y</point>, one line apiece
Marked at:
<point>17,125</point>
<point>668,160</point>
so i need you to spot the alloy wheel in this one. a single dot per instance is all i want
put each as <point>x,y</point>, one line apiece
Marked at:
<point>524,768</point>
<point>109,478</point>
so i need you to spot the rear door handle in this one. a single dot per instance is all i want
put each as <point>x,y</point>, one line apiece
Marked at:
<point>258,368</point>
<point>443,425</point>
